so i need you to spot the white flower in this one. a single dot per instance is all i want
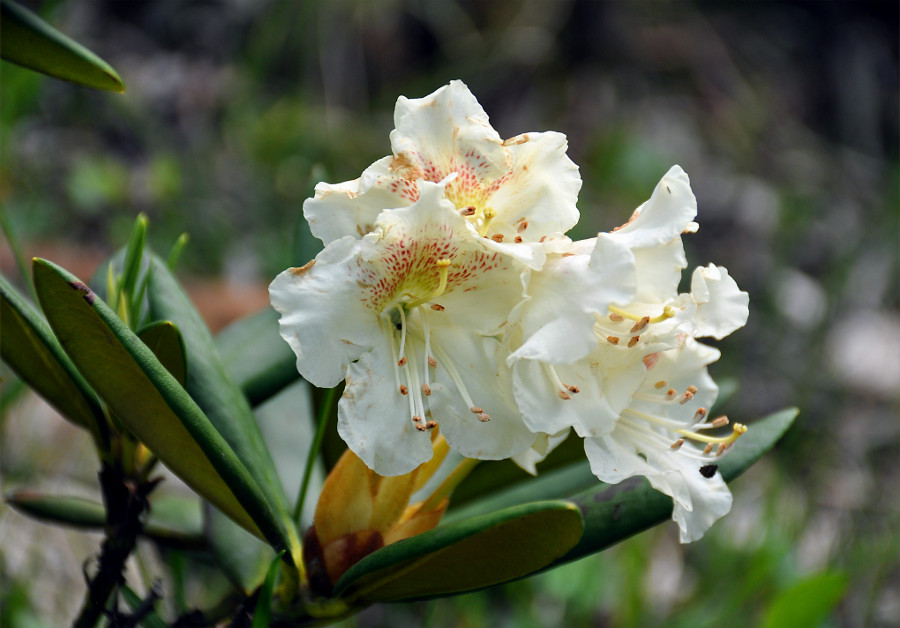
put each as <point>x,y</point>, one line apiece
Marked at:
<point>661,435</point>
<point>410,310</point>
<point>517,191</point>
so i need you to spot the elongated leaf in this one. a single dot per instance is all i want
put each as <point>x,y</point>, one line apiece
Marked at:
<point>613,513</point>
<point>33,352</point>
<point>172,522</point>
<point>257,357</point>
<point>241,556</point>
<point>263,611</point>
<point>217,394</point>
<point>127,375</point>
<point>29,41</point>
<point>807,603</point>
<point>466,555</point>
<point>166,343</point>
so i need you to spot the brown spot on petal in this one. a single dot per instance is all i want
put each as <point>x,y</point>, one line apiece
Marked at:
<point>519,139</point>
<point>297,272</point>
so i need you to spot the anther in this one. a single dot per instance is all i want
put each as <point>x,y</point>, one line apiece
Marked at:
<point>699,415</point>
<point>431,425</point>
<point>708,448</point>
<point>497,237</point>
<point>420,427</point>
<point>417,419</point>
<point>616,318</point>
<point>522,226</point>
<point>721,448</point>
<point>722,421</point>
<point>613,340</point>
<point>660,384</point>
<point>687,396</point>
<point>468,211</point>
<point>677,444</point>
<point>403,389</point>
<point>432,362</point>
<point>476,410</point>
<point>573,389</point>
<point>692,389</point>
<point>484,417</point>
<point>634,340</point>
<point>670,394</point>
<point>437,307</point>
<point>638,326</point>
<point>426,390</point>
<point>518,240</point>
<point>401,361</point>
<point>564,395</point>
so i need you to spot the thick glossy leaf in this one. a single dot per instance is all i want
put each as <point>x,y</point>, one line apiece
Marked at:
<point>613,513</point>
<point>210,385</point>
<point>33,352</point>
<point>257,357</point>
<point>29,41</point>
<point>166,343</point>
<point>127,375</point>
<point>467,555</point>
<point>173,522</point>
<point>241,556</point>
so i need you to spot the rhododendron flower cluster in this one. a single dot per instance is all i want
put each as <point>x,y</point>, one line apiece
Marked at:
<point>448,297</point>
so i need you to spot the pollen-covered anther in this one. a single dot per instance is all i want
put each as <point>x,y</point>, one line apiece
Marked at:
<point>573,389</point>
<point>403,389</point>
<point>420,427</point>
<point>497,237</point>
<point>634,340</point>
<point>708,448</point>
<point>430,425</point>
<point>677,444</point>
<point>437,307</point>
<point>518,240</point>
<point>522,226</point>
<point>613,340</point>
<point>640,325</point>
<point>432,362</point>
<point>671,394</point>
<point>616,318</point>
<point>721,448</point>
<point>564,395</point>
<point>721,421</point>
<point>660,384</point>
<point>476,410</point>
<point>417,419</point>
<point>468,211</point>
<point>700,414</point>
<point>687,396</point>
<point>484,417</point>
<point>401,361</point>
<point>426,390</point>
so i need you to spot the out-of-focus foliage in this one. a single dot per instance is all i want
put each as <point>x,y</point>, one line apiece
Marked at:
<point>783,114</point>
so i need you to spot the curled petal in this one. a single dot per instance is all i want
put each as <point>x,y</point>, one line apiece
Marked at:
<point>669,212</point>
<point>721,306</point>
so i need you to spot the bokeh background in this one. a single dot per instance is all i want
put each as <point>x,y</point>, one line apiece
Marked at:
<point>784,114</point>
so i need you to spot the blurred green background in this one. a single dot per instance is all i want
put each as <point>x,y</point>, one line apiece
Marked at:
<point>784,114</point>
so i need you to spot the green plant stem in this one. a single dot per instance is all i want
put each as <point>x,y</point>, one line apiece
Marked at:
<point>322,423</point>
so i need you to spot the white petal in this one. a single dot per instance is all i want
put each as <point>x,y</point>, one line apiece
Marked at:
<point>322,316</point>
<point>670,210</point>
<point>659,271</point>
<point>721,306</point>
<point>543,445</point>
<point>351,208</point>
<point>489,386</point>
<point>374,418</point>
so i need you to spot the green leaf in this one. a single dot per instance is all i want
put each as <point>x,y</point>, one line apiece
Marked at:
<point>151,402</point>
<point>166,343</point>
<point>173,522</point>
<point>263,610</point>
<point>31,349</point>
<point>241,556</point>
<point>807,603</point>
<point>29,41</point>
<point>257,357</point>
<point>210,385</point>
<point>466,555</point>
<point>613,513</point>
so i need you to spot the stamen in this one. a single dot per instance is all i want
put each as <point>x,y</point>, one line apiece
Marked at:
<point>432,362</point>
<point>634,340</point>
<point>562,390</point>
<point>401,361</point>
<point>638,326</point>
<point>468,211</point>
<point>404,390</point>
<point>738,429</point>
<point>708,448</point>
<point>670,394</point>
<point>699,415</point>
<point>518,240</point>
<point>431,425</point>
<point>616,318</point>
<point>437,307</point>
<point>722,421</point>
<point>660,384</point>
<point>484,417</point>
<point>613,340</point>
<point>426,390</point>
<point>476,410</point>
<point>668,312</point>
<point>564,395</point>
<point>497,237</point>
<point>677,444</point>
<point>687,396</point>
<point>419,426</point>
<point>522,226</point>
